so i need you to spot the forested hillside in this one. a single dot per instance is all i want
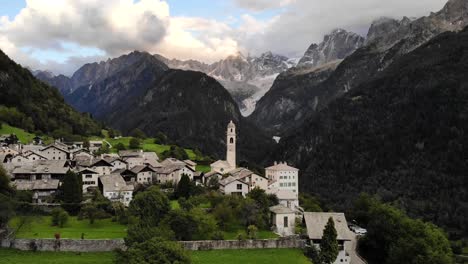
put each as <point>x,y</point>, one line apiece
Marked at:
<point>402,135</point>
<point>30,104</point>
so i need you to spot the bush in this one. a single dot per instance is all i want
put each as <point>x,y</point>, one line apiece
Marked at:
<point>134,143</point>
<point>59,217</point>
<point>252,232</point>
<point>154,251</point>
<point>120,146</point>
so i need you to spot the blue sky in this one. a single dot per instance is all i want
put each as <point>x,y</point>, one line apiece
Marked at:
<point>11,7</point>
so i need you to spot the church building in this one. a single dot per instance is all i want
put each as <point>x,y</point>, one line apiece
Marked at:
<point>225,166</point>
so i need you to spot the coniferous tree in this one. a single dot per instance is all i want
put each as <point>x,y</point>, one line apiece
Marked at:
<point>329,245</point>
<point>72,192</point>
<point>184,187</point>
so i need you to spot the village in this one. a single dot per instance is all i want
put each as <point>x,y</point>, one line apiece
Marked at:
<point>40,169</point>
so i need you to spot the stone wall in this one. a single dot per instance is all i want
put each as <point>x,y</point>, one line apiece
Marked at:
<point>77,245</point>
<point>73,245</point>
<point>244,244</point>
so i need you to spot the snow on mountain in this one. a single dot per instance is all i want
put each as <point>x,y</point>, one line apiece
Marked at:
<point>246,78</point>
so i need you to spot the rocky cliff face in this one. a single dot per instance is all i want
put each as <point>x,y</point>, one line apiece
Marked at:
<point>388,39</point>
<point>120,80</point>
<point>246,78</point>
<point>337,45</point>
<point>288,101</point>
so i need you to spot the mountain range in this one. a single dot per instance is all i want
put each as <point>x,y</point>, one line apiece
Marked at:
<point>297,94</point>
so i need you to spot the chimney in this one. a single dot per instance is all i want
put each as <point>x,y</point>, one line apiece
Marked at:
<point>276,163</point>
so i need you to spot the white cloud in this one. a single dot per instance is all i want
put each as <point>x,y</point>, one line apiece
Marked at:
<point>307,21</point>
<point>120,26</point>
<point>261,5</point>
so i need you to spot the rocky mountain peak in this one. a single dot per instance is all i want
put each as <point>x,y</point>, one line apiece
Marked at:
<point>336,45</point>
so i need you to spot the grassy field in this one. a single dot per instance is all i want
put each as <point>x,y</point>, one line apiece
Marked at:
<point>22,135</point>
<point>9,256</point>
<point>148,145</point>
<point>252,256</point>
<point>203,168</point>
<point>40,227</point>
<point>249,256</point>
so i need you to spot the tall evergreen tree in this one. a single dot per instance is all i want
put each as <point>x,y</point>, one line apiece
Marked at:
<point>184,187</point>
<point>72,192</point>
<point>329,245</point>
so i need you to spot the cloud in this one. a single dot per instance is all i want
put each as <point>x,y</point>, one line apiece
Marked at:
<point>307,21</point>
<point>102,29</point>
<point>112,26</point>
<point>261,5</point>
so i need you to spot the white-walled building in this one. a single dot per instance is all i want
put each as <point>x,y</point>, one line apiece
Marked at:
<point>54,152</point>
<point>316,222</point>
<point>89,178</point>
<point>285,177</point>
<point>283,220</point>
<point>144,174</point>
<point>283,180</point>
<point>102,167</point>
<point>172,173</point>
<point>233,186</point>
<point>114,188</point>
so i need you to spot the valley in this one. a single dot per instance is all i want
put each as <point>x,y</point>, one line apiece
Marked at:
<point>352,149</point>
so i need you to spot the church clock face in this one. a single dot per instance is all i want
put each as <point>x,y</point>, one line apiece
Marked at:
<point>230,148</point>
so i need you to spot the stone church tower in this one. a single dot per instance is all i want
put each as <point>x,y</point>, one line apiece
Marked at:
<point>231,145</point>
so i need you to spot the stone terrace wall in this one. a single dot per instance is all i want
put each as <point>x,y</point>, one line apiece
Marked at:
<point>73,245</point>
<point>244,244</point>
<point>77,245</point>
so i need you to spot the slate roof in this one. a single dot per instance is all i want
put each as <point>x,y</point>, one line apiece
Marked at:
<point>282,167</point>
<point>115,183</point>
<point>169,168</point>
<point>140,168</point>
<point>43,167</point>
<point>172,161</point>
<point>316,222</point>
<point>221,163</point>
<point>50,184</point>
<point>190,163</point>
<point>281,209</point>
<point>228,180</point>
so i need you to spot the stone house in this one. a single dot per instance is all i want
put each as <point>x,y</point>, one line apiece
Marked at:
<point>42,190</point>
<point>233,186</point>
<point>55,152</point>
<point>316,222</point>
<point>144,174</point>
<point>89,178</point>
<point>102,167</point>
<point>283,220</point>
<point>114,188</point>
<point>42,169</point>
<point>172,173</point>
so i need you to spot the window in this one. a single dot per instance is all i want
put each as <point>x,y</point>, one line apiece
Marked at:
<point>89,176</point>
<point>239,186</point>
<point>285,220</point>
<point>231,140</point>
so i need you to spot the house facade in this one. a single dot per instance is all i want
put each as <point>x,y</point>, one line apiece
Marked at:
<point>316,222</point>
<point>114,188</point>
<point>233,186</point>
<point>283,220</point>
